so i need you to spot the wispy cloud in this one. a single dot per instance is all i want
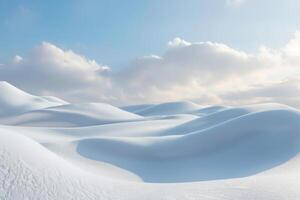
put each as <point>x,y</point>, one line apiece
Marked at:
<point>235,2</point>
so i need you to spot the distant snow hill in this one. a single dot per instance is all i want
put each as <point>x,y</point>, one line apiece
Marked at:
<point>14,100</point>
<point>52,149</point>
<point>20,108</point>
<point>169,108</point>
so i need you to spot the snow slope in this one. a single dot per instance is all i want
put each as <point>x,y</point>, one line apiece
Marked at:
<point>15,101</point>
<point>182,151</point>
<point>70,115</point>
<point>136,108</point>
<point>268,139</point>
<point>170,108</point>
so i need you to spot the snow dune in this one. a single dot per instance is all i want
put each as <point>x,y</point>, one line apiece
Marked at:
<point>15,101</point>
<point>136,108</point>
<point>170,108</point>
<point>209,110</point>
<point>51,149</point>
<point>268,139</point>
<point>223,115</point>
<point>71,115</point>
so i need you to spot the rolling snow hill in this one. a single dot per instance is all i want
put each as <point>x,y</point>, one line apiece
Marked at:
<point>15,101</point>
<point>170,108</point>
<point>71,115</point>
<point>51,149</point>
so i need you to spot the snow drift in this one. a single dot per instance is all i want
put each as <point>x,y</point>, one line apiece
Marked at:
<point>268,139</point>
<point>70,115</point>
<point>51,149</point>
<point>14,100</point>
<point>170,108</point>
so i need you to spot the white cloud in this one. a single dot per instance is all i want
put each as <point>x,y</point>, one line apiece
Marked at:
<point>207,72</point>
<point>51,70</point>
<point>285,91</point>
<point>17,59</point>
<point>235,2</point>
<point>185,71</point>
<point>178,42</point>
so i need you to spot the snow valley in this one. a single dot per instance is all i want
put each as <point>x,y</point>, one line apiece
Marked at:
<point>53,149</point>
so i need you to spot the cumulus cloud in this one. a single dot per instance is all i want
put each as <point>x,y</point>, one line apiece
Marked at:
<point>178,42</point>
<point>50,70</point>
<point>285,91</point>
<point>205,72</point>
<point>210,73</point>
<point>201,67</point>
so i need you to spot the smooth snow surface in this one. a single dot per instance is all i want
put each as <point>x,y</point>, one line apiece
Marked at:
<point>14,100</point>
<point>50,149</point>
<point>169,108</point>
<point>71,115</point>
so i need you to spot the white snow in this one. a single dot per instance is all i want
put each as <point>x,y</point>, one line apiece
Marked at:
<point>70,115</point>
<point>14,100</point>
<point>50,149</point>
<point>170,108</point>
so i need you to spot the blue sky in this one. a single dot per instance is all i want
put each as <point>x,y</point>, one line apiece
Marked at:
<point>115,32</point>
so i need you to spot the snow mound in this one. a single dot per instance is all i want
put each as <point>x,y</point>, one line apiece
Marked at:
<point>136,108</point>
<point>55,100</point>
<point>51,149</point>
<point>240,147</point>
<point>170,108</point>
<point>14,100</point>
<point>223,114</point>
<point>209,110</point>
<point>30,171</point>
<point>71,115</point>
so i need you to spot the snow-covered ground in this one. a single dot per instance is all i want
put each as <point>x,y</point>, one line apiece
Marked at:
<point>50,149</point>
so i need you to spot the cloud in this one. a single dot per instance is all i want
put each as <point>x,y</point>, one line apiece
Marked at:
<point>201,67</point>
<point>178,42</point>
<point>205,72</point>
<point>51,70</point>
<point>285,91</point>
<point>17,59</point>
<point>235,2</point>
